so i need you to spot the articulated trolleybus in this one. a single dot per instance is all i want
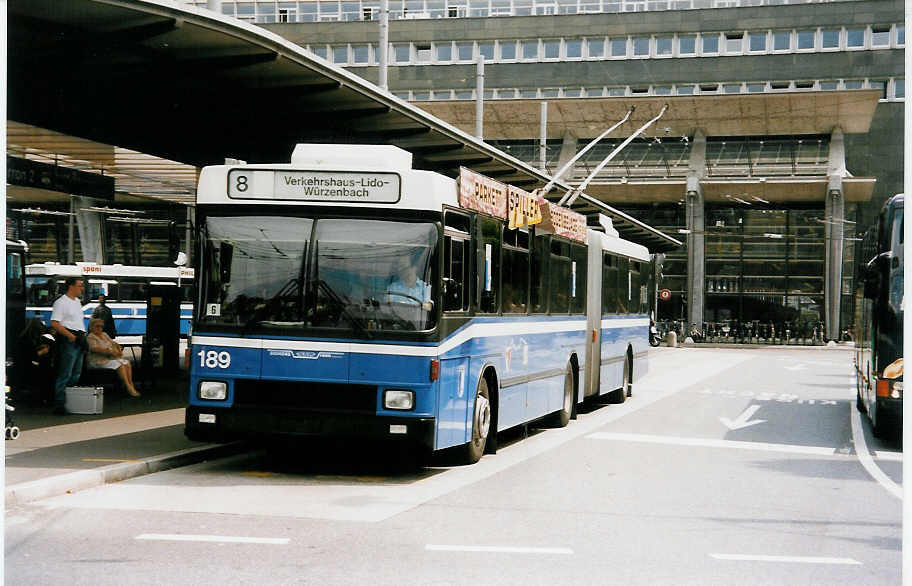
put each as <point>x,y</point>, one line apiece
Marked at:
<point>348,294</point>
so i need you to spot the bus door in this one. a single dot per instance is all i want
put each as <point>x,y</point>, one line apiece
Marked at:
<point>454,390</point>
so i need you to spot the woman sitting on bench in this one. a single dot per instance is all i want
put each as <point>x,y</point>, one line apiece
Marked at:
<point>106,353</point>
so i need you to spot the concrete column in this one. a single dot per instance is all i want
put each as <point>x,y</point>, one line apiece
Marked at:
<point>543,138</point>
<point>569,144</point>
<point>696,242</point>
<point>834,234</point>
<point>479,97</point>
<point>383,45</point>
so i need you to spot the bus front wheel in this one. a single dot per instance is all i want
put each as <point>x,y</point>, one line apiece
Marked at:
<point>481,423</point>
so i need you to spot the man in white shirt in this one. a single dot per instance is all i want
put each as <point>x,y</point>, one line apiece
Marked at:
<point>68,323</point>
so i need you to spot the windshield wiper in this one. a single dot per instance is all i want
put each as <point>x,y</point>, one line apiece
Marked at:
<point>356,321</point>
<point>258,314</point>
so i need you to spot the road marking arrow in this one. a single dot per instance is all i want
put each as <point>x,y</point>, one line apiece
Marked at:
<point>743,420</point>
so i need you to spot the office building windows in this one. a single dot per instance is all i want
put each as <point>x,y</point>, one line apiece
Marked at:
<point>486,49</point>
<point>710,44</point>
<point>619,47</point>
<point>530,49</point>
<point>880,36</point>
<point>401,52</point>
<point>687,45</point>
<point>806,39</point>
<point>758,41</point>
<point>595,48</point>
<point>423,53</point>
<point>574,49</point>
<point>551,48</point>
<point>340,54</point>
<point>829,39</point>
<point>782,40</point>
<point>444,52</point>
<point>464,51</point>
<point>855,37</point>
<point>664,45</point>
<point>507,50</point>
<point>361,54</point>
<point>734,42</point>
<point>899,88</point>
<point>900,34</point>
<point>641,46</point>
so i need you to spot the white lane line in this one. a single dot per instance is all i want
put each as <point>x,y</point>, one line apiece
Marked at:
<point>213,538</point>
<point>784,559</point>
<point>712,443</point>
<point>500,549</point>
<point>861,450</point>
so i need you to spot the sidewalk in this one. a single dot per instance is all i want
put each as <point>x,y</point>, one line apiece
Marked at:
<point>133,436</point>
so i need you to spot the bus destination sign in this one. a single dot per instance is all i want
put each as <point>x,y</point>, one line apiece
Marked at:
<point>316,186</point>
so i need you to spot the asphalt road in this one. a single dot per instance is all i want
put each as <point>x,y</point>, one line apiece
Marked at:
<point>745,466</point>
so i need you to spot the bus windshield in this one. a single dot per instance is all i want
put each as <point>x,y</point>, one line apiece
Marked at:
<point>360,275</point>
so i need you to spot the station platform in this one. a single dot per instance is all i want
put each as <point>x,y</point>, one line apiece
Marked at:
<point>56,454</point>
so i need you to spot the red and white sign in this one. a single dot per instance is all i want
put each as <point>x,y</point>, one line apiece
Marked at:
<point>482,194</point>
<point>664,294</point>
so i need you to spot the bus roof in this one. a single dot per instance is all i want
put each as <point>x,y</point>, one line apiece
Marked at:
<point>90,269</point>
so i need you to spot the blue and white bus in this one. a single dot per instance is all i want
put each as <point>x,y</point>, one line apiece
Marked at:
<point>512,310</point>
<point>125,288</point>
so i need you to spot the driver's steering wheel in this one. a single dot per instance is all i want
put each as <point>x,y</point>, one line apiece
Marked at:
<point>419,302</point>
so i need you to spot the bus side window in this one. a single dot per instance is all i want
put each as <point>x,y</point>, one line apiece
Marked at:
<point>133,291</point>
<point>560,277</point>
<point>541,247</point>
<point>515,271</point>
<point>488,264</point>
<point>623,285</point>
<point>634,305</point>
<point>609,283</point>
<point>578,260</point>
<point>456,253</point>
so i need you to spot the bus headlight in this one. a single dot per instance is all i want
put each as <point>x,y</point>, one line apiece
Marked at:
<point>213,391</point>
<point>401,399</point>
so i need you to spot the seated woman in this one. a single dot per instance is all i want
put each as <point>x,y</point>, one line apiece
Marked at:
<point>106,353</point>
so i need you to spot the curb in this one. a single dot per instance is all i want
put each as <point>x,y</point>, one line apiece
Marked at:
<point>762,346</point>
<point>42,488</point>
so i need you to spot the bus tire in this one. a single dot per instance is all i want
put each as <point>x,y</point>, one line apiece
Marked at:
<point>880,424</point>
<point>620,395</point>
<point>481,423</point>
<point>859,402</point>
<point>562,417</point>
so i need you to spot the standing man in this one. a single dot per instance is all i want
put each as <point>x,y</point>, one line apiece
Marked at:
<point>68,323</point>
<point>103,312</point>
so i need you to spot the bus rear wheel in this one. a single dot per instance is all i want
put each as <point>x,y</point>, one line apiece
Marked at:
<point>481,423</point>
<point>620,395</point>
<point>562,417</point>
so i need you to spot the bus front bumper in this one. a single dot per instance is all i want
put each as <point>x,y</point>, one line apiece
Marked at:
<point>226,424</point>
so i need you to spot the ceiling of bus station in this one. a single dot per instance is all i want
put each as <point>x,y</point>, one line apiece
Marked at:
<point>176,87</point>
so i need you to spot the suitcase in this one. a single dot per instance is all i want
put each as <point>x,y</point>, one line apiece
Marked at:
<point>84,400</point>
